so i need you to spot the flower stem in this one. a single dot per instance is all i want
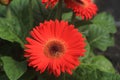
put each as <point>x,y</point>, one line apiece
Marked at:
<point>73,18</point>
<point>51,13</point>
<point>30,14</point>
<point>59,10</point>
<point>64,76</point>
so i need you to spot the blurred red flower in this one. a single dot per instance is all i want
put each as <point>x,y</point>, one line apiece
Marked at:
<point>55,46</point>
<point>51,3</point>
<point>5,2</point>
<point>83,8</point>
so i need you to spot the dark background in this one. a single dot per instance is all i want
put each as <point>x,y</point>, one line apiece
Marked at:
<point>113,7</point>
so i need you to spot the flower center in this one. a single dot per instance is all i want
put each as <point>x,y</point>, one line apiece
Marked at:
<point>54,48</point>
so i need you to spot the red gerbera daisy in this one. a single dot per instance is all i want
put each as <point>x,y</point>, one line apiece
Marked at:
<point>84,8</point>
<point>49,2</point>
<point>55,46</point>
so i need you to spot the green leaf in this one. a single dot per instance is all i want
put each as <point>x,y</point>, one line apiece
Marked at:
<point>0,64</point>
<point>90,72</point>
<point>87,53</point>
<point>10,29</point>
<point>2,10</point>
<point>29,14</point>
<point>20,9</point>
<point>99,38</point>
<point>67,16</point>
<point>109,76</point>
<point>101,31</point>
<point>40,13</point>
<point>13,69</point>
<point>106,21</point>
<point>103,64</point>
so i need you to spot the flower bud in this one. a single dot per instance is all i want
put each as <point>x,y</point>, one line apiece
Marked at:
<point>5,2</point>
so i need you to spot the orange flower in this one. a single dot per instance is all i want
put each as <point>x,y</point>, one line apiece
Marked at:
<point>55,46</point>
<point>83,8</point>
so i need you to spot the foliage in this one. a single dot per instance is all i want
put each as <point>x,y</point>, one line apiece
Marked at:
<point>10,65</point>
<point>90,72</point>
<point>17,19</point>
